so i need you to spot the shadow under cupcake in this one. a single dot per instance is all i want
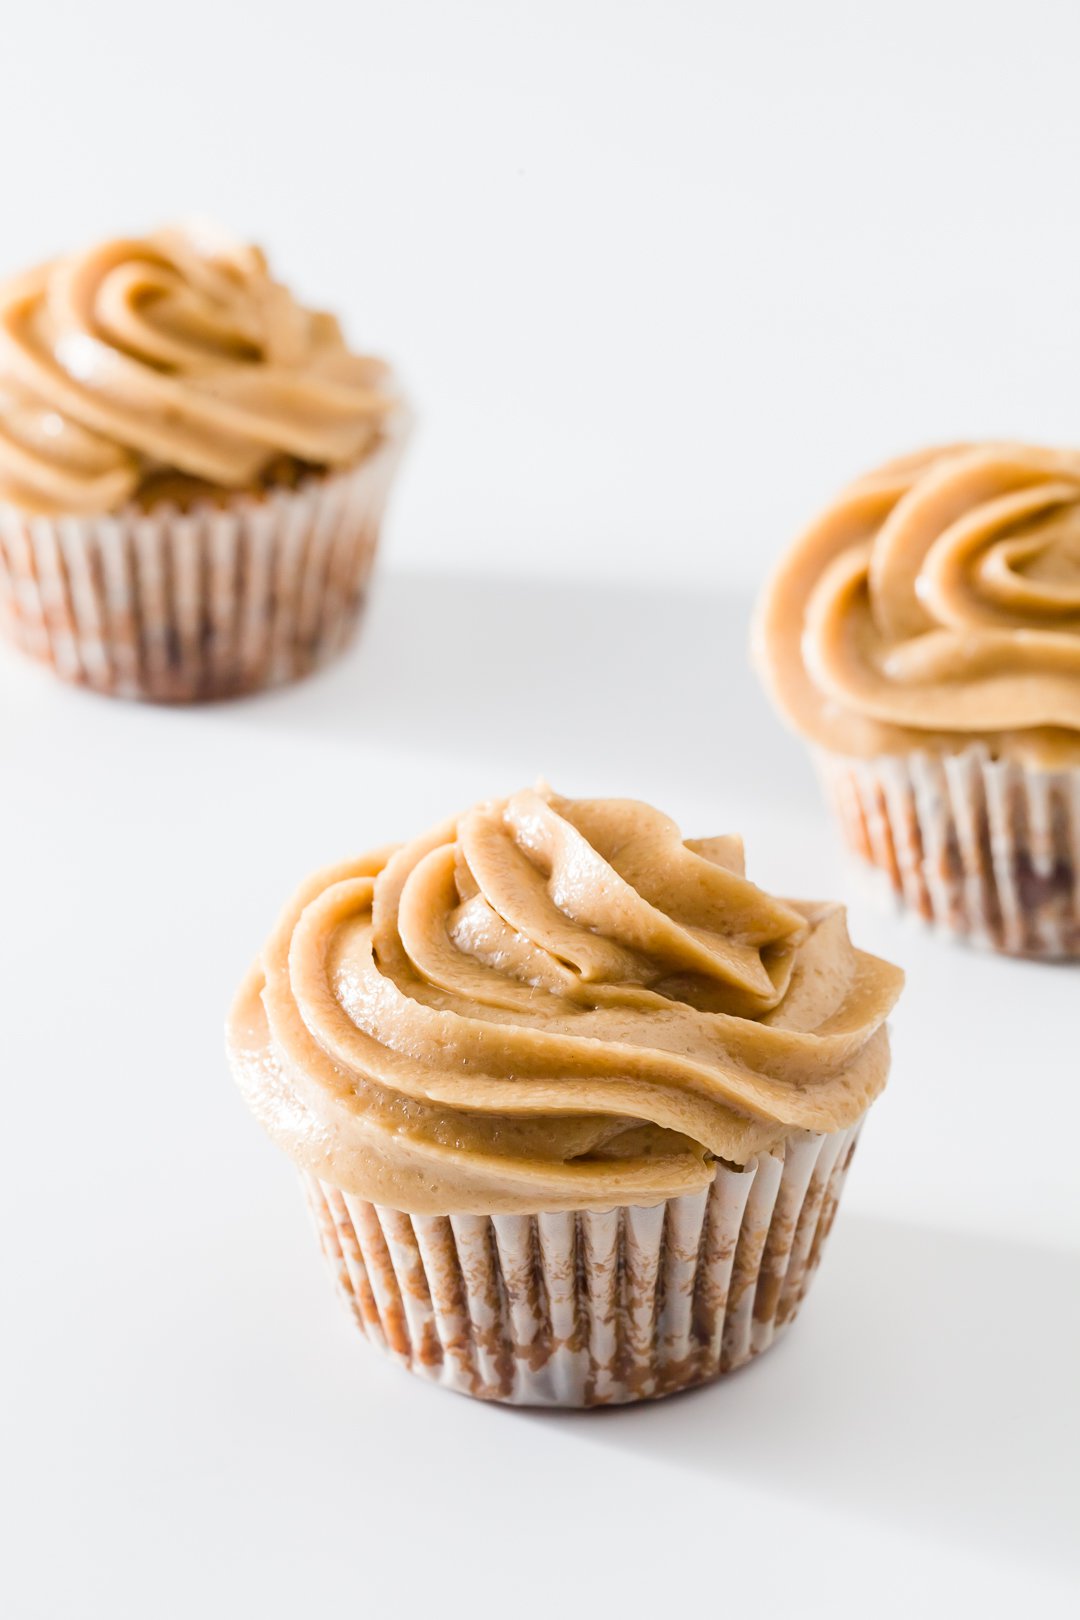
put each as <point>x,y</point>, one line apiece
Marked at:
<point>193,470</point>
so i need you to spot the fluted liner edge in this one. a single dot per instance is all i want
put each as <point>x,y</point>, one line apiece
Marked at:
<point>177,606</point>
<point>581,1308</point>
<point>986,849</point>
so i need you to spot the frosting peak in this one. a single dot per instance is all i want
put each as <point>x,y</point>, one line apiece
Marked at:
<point>936,603</point>
<point>176,353</point>
<point>551,1003</point>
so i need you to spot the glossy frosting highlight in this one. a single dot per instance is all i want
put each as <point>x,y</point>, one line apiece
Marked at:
<point>170,360</point>
<point>548,1004</point>
<point>936,603</point>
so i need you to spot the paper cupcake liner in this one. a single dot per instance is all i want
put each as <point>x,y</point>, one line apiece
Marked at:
<point>987,849</point>
<point>585,1309</point>
<point>179,606</point>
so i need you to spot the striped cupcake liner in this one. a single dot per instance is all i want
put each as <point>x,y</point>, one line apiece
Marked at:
<point>986,849</point>
<point>177,606</point>
<point>590,1309</point>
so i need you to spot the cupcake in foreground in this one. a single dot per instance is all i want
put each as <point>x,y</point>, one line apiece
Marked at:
<point>924,635</point>
<point>573,1100</point>
<point>193,469</point>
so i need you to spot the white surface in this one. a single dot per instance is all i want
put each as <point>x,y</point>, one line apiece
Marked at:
<point>191,1426</point>
<point>661,274</point>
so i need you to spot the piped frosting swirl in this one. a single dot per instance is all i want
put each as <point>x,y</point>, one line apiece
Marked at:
<point>173,354</point>
<point>550,1003</point>
<point>936,603</point>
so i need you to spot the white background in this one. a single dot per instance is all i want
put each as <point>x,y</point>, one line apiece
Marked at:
<point>192,1427</point>
<point>659,277</point>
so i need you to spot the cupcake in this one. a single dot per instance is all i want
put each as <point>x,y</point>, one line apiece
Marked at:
<point>573,1101</point>
<point>193,470</point>
<point>924,635</point>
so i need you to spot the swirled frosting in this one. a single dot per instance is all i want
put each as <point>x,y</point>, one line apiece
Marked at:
<point>936,603</point>
<point>133,362</point>
<point>550,1003</point>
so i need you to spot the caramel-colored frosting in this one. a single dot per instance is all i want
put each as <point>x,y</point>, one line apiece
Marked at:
<point>551,1003</point>
<point>935,604</point>
<point>172,354</point>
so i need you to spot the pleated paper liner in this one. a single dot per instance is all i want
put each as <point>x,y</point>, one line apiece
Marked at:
<point>986,849</point>
<point>585,1309</point>
<point>178,606</point>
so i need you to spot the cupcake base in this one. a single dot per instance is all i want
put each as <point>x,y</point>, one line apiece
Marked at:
<point>589,1309</point>
<point>175,606</point>
<point>986,849</point>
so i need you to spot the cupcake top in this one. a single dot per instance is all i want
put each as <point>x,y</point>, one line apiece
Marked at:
<point>171,366</point>
<point>934,605</point>
<point>548,1004</point>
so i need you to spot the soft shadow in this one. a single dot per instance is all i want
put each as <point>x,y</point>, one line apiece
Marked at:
<point>930,1383</point>
<point>623,671</point>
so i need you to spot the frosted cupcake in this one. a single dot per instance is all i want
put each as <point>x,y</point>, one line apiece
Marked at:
<point>924,635</point>
<point>573,1100</point>
<point>193,469</point>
